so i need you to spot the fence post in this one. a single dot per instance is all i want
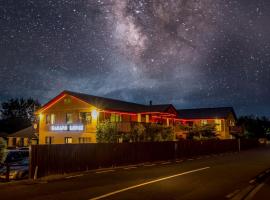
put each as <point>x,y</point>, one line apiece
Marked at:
<point>7,172</point>
<point>239,145</point>
<point>175,150</point>
<point>36,171</point>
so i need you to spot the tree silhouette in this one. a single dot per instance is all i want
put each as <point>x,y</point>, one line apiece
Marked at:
<point>17,114</point>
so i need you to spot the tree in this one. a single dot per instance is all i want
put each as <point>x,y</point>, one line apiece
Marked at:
<point>207,131</point>
<point>17,114</point>
<point>254,127</point>
<point>137,133</point>
<point>107,132</point>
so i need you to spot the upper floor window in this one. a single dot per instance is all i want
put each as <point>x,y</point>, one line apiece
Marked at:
<point>48,119</point>
<point>85,117</point>
<point>115,117</point>
<point>218,124</point>
<point>67,101</point>
<point>203,122</point>
<point>52,118</point>
<point>69,118</point>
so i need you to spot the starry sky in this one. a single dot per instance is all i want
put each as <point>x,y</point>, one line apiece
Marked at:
<point>191,53</point>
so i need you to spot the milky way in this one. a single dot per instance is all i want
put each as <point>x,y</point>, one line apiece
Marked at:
<point>192,53</point>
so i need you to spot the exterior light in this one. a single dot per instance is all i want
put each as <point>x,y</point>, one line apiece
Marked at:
<point>94,114</point>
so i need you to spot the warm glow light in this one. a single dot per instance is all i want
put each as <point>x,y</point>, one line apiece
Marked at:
<point>94,114</point>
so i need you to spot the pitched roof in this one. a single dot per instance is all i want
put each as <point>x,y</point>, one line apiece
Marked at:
<point>206,113</point>
<point>114,104</point>
<point>166,108</point>
<point>29,132</point>
<point>3,134</point>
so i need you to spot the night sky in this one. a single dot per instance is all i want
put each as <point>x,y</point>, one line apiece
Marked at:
<point>191,53</point>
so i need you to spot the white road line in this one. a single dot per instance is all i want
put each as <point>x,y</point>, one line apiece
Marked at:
<point>100,172</point>
<point>252,181</point>
<point>127,168</point>
<point>190,159</point>
<point>149,165</point>
<point>165,163</point>
<point>74,176</point>
<point>179,161</point>
<point>232,194</point>
<point>147,183</point>
<point>254,192</point>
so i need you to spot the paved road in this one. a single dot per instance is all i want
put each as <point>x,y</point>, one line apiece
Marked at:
<point>215,177</point>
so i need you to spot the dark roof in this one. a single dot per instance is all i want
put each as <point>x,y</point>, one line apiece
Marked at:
<point>168,108</point>
<point>114,104</point>
<point>206,113</point>
<point>3,134</point>
<point>109,104</point>
<point>29,132</point>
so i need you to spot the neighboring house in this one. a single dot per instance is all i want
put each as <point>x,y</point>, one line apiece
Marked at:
<point>223,117</point>
<point>73,117</point>
<point>23,138</point>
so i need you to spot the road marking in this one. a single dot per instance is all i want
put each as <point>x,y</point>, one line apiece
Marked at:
<point>254,192</point>
<point>127,168</point>
<point>179,161</point>
<point>165,163</point>
<point>149,165</point>
<point>100,172</point>
<point>252,181</point>
<point>190,159</point>
<point>74,176</point>
<point>147,183</point>
<point>232,194</point>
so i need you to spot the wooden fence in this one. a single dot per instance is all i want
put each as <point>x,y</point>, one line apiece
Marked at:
<point>64,158</point>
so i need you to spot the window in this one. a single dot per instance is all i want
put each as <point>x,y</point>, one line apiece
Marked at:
<point>52,118</point>
<point>21,142</point>
<point>85,117</point>
<point>115,117</point>
<point>203,122</point>
<point>147,118</point>
<point>84,140</point>
<point>67,101</point>
<point>48,140</point>
<point>69,118</point>
<point>218,124</point>
<point>48,120</point>
<point>14,141</point>
<point>68,140</point>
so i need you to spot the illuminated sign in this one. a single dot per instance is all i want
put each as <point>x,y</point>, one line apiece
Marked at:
<point>67,127</point>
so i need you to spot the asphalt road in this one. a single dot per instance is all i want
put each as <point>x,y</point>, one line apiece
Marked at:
<point>214,177</point>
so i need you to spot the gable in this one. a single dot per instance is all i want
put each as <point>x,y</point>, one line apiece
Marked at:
<point>65,102</point>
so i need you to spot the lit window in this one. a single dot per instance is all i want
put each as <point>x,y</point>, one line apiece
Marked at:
<point>218,124</point>
<point>69,118</point>
<point>203,122</point>
<point>85,117</point>
<point>68,140</point>
<point>48,119</point>
<point>67,101</point>
<point>52,118</point>
<point>48,140</point>
<point>147,118</point>
<point>84,140</point>
<point>115,117</point>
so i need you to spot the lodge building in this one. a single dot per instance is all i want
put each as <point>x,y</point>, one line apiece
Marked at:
<point>73,117</point>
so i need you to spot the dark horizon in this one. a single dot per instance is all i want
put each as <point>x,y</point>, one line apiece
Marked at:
<point>188,53</point>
